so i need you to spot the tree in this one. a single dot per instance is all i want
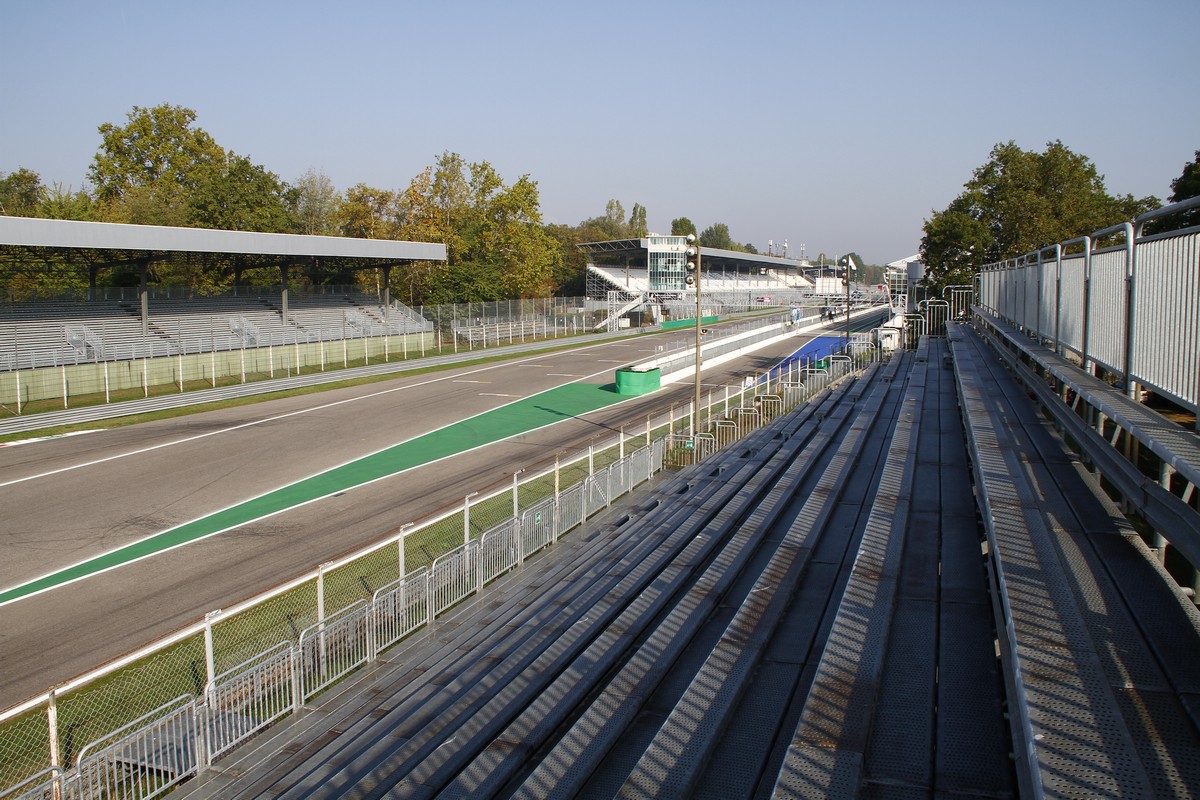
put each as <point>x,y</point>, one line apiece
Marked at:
<point>614,212</point>
<point>509,233</point>
<point>242,196</point>
<point>1185,186</point>
<point>421,218</point>
<point>1017,202</point>
<point>21,193</point>
<point>146,170</point>
<point>366,212</point>
<point>716,236</point>
<point>954,243</point>
<point>637,221</point>
<point>682,226</point>
<point>63,203</point>
<point>451,198</point>
<point>313,204</point>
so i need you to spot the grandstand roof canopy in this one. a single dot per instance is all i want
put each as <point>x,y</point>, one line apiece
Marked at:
<point>137,242</point>
<point>635,250</point>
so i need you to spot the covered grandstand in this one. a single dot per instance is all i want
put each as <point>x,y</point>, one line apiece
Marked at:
<point>149,322</point>
<point>645,276</point>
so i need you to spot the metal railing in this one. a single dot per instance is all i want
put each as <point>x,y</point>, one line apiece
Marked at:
<point>58,358</point>
<point>252,676</point>
<point>1128,309</point>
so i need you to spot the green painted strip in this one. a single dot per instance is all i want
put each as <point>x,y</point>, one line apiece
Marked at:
<point>676,324</point>
<point>515,418</point>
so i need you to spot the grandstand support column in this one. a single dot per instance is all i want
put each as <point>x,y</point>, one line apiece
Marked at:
<point>283,292</point>
<point>144,295</point>
<point>92,270</point>
<point>237,274</point>
<point>387,292</point>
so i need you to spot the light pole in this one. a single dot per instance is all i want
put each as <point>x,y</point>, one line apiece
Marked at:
<point>846,282</point>
<point>693,279</point>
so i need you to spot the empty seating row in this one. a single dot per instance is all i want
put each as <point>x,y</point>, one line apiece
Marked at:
<point>1099,644</point>
<point>507,703</point>
<point>51,334</point>
<point>812,612</point>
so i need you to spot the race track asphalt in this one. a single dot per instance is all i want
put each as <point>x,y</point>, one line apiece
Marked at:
<point>71,500</point>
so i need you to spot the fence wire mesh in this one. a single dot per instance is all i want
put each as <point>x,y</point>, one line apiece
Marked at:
<point>425,544</point>
<point>93,713</point>
<point>277,619</point>
<point>24,747</point>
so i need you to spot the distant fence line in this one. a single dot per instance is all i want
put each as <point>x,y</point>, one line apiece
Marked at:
<point>44,334</point>
<point>1130,309</point>
<point>94,367</point>
<point>138,727</point>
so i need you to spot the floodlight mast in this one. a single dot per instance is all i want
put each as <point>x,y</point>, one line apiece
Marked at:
<point>846,281</point>
<point>693,278</point>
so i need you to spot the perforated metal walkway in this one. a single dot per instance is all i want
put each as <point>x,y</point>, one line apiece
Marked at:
<point>812,613</point>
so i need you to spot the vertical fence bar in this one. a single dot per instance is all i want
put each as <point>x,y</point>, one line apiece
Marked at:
<point>210,671</point>
<point>52,728</point>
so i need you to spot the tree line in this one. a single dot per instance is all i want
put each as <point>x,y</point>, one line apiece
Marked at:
<point>1021,200</point>
<point>161,168</point>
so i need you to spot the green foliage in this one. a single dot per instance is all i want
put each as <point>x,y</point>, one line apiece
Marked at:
<point>366,212</point>
<point>1017,202</point>
<point>614,212</point>
<point>1188,183</point>
<point>716,235</point>
<point>1185,186</point>
<point>637,221</point>
<point>62,203</point>
<point>21,193</point>
<point>146,170</point>
<point>241,197</point>
<point>466,282</point>
<point>313,204</point>
<point>682,226</point>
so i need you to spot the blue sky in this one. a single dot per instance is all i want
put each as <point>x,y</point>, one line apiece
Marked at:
<point>839,124</point>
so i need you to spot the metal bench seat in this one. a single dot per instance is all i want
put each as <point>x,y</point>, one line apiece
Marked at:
<point>1093,711</point>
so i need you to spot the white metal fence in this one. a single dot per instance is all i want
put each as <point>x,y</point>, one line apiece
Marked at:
<point>52,352</point>
<point>1131,309</point>
<point>246,681</point>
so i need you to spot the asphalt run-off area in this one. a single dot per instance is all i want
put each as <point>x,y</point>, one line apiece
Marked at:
<point>513,419</point>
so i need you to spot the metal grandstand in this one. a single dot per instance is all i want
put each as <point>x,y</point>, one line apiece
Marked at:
<point>71,244</point>
<point>645,276</point>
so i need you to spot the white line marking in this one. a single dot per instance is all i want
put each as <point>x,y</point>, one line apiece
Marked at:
<point>47,438</point>
<point>52,587</point>
<point>234,428</point>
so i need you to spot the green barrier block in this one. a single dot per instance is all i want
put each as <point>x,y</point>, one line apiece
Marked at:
<point>633,382</point>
